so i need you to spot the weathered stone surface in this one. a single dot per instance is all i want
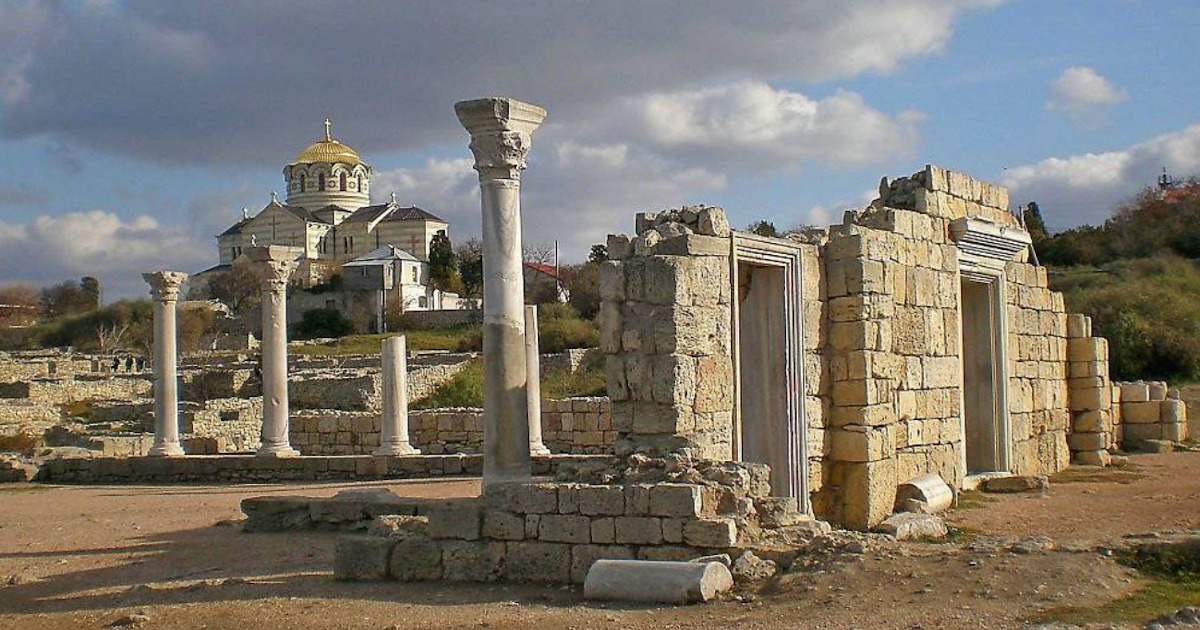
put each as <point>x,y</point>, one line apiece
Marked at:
<point>503,526</point>
<point>362,557</point>
<point>565,528</point>
<point>455,518</point>
<point>538,562</point>
<point>276,514</point>
<point>398,525</point>
<point>1016,484</point>
<point>583,556</point>
<point>910,526</point>
<point>715,533</point>
<point>750,568</point>
<point>678,500</point>
<point>1093,458</point>
<point>416,558</point>
<point>637,530</point>
<point>466,561</point>
<point>601,500</point>
<point>931,492</point>
<point>656,582</point>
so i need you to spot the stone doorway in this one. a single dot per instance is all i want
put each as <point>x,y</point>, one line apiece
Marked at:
<point>768,363</point>
<point>985,410</point>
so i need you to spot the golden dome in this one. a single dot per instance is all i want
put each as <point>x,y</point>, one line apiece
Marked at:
<point>328,150</point>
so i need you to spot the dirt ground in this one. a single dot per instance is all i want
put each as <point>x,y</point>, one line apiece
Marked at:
<point>85,557</point>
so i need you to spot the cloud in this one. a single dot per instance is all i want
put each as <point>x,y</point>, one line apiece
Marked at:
<point>574,193</point>
<point>753,124</point>
<point>182,82</point>
<point>22,195</point>
<point>53,248</point>
<point>1086,188</point>
<point>1080,92</point>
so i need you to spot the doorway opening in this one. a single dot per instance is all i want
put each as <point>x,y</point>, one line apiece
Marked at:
<point>985,415</point>
<point>768,346</point>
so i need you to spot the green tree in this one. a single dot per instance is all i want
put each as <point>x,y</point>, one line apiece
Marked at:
<point>470,267</point>
<point>66,298</point>
<point>764,228</point>
<point>584,289</point>
<point>91,289</point>
<point>323,322</point>
<point>443,270</point>
<point>237,288</point>
<point>598,254</point>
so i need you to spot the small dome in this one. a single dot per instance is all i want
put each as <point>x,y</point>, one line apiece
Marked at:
<point>328,150</point>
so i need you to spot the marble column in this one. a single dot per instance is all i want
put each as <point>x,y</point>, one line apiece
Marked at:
<point>164,286</point>
<point>533,384</point>
<point>393,428</point>
<point>274,265</point>
<point>501,132</point>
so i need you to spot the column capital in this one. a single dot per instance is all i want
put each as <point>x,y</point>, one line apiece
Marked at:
<point>164,285</point>
<point>274,264</point>
<point>501,134</point>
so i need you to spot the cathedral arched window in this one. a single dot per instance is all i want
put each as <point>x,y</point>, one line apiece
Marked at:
<point>321,182</point>
<point>302,182</point>
<point>342,181</point>
<point>359,183</point>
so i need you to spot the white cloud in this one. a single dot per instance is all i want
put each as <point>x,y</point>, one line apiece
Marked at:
<point>51,249</point>
<point>184,82</point>
<point>1086,188</point>
<point>752,123</point>
<point>1080,92</point>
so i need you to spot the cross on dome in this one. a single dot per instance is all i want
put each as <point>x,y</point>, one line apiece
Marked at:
<point>328,130</point>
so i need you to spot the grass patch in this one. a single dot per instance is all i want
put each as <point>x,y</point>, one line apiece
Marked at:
<point>1175,582</point>
<point>448,339</point>
<point>971,499</point>
<point>466,388</point>
<point>23,442</point>
<point>78,409</point>
<point>1123,474</point>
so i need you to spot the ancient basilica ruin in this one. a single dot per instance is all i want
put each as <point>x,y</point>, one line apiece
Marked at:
<point>755,385</point>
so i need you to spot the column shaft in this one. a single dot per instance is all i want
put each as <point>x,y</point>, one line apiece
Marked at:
<point>165,289</point>
<point>533,385</point>
<point>275,440</point>
<point>393,428</point>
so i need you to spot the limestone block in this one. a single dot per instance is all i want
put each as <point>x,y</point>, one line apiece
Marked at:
<point>362,557</point>
<point>911,526</point>
<point>1015,484</point>
<point>674,380</point>
<point>656,419</point>
<point>416,558</point>
<point>1140,412</point>
<point>712,222</point>
<point>459,519</point>
<point>1087,441</point>
<point>1090,399</point>
<point>1135,434</point>
<point>566,528</point>
<point>1157,390</point>
<point>672,530</point>
<point>619,247</point>
<point>678,500</point>
<point>709,281</point>
<point>1175,431</point>
<point>503,526</point>
<point>637,499</point>
<point>1092,421</point>
<point>693,245</point>
<point>714,533</point>
<point>601,500</point>
<point>1173,411</point>
<point>611,332</point>
<point>868,492</point>
<point>584,556</point>
<point>523,498</point>
<point>861,444</point>
<point>714,384</point>
<point>930,491</point>
<point>603,530</point>
<point>612,281</point>
<point>667,280</point>
<point>1135,392</point>
<point>941,372</point>
<point>637,530</point>
<point>1093,458</point>
<point>466,561</point>
<point>538,561</point>
<point>656,581</point>
<point>1087,349</point>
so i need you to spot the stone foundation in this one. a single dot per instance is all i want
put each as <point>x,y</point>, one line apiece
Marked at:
<point>1150,411</point>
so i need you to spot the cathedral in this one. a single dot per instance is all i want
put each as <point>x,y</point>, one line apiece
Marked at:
<point>327,212</point>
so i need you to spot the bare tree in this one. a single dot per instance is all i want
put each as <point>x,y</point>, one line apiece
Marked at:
<point>541,253</point>
<point>110,337</point>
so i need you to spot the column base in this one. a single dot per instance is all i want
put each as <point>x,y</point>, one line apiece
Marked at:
<point>172,449</point>
<point>277,450</point>
<point>538,449</point>
<point>397,449</point>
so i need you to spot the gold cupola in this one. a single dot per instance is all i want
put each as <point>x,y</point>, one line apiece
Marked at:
<point>328,173</point>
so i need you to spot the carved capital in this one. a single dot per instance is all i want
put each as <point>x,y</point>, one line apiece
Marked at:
<point>164,285</point>
<point>500,154</point>
<point>501,134</point>
<point>274,265</point>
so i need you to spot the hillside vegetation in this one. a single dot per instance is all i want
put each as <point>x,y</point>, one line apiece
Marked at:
<point>1137,277</point>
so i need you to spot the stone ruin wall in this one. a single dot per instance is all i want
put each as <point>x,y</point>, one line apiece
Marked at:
<point>881,296</point>
<point>573,425</point>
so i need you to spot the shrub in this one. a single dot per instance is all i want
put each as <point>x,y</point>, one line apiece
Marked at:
<point>559,328</point>
<point>464,390</point>
<point>323,322</point>
<point>1148,309</point>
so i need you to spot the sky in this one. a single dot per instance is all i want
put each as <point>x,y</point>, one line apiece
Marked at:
<point>136,130</point>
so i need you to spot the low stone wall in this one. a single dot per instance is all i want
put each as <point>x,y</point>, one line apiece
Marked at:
<point>251,469</point>
<point>573,425</point>
<point>23,416</point>
<point>232,424</point>
<point>1150,411</point>
<point>568,361</point>
<point>554,532</point>
<point>72,388</point>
